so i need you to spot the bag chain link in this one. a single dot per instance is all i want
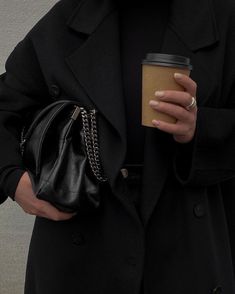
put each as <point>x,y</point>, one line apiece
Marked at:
<point>22,140</point>
<point>91,143</point>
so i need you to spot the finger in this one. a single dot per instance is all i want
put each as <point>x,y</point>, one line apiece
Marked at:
<point>46,210</point>
<point>174,129</point>
<point>185,81</point>
<point>180,113</point>
<point>177,97</point>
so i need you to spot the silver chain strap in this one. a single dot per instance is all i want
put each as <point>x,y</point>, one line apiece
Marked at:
<point>91,143</point>
<point>22,140</point>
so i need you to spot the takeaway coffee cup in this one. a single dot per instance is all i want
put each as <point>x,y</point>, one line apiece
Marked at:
<point>158,75</point>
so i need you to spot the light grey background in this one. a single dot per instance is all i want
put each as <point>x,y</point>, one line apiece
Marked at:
<point>17,17</point>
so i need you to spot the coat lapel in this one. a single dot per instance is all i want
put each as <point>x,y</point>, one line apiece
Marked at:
<point>156,164</point>
<point>96,66</point>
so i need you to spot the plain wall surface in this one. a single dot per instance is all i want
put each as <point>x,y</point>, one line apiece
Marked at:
<point>17,17</point>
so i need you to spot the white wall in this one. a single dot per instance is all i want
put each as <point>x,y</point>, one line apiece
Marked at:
<point>16,18</point>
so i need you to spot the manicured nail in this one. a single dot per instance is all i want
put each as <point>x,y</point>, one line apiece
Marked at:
<point>178,75</point>
<point>153,103</point>
<point>159,93</point>
<point>156,123</point>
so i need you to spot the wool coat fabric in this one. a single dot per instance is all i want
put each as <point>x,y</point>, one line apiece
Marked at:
<point>181,242</point>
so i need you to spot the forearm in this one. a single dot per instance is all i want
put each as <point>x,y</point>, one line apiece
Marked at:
<point>22,91</point>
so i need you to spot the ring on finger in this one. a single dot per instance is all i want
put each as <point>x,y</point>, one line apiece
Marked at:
<point>192,105</point>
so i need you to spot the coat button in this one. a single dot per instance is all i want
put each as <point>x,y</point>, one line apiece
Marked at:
<point>55,91</point>
<point>217,290</point>
<point>199,210</point>
<point>124,172</point>
<point>78,239</point>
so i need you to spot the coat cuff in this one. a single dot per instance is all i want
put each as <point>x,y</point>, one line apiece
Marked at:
<point>9,179</point>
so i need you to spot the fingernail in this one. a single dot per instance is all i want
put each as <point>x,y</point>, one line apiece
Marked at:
<point>153,103</point>
<point>159,93</point>
<point>178,75</point>
<point>156,123</point>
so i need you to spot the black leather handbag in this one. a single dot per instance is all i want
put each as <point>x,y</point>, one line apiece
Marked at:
<point>61,154</point>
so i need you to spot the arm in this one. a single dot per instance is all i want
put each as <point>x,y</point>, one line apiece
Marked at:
<point>22,90</point>
<point>204,137</point>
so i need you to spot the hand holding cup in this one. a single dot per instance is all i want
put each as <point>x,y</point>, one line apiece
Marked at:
<point>169,95</point>
<point>178,104</point>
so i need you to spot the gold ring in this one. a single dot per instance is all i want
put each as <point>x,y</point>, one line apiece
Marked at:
<point>192,105</point>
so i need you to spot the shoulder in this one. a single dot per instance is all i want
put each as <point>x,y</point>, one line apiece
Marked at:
<point>224,14</point>
<point>56,18</point>
<point>49,29</point>
<point>223,9</point>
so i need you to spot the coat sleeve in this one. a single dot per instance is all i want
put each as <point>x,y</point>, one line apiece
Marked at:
<point>227,189</point>
<point>210,157</point>
<point>22,90</point>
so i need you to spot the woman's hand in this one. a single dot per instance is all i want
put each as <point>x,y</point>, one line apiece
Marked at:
<point>175,103</point>
<point>26,198</point>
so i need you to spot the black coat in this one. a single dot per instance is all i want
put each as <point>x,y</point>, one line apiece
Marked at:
<point>182,244</point>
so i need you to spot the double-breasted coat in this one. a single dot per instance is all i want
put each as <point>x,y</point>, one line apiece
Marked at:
<point>181,244</point>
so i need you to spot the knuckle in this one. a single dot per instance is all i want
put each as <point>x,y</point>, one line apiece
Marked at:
<point>181,112</point>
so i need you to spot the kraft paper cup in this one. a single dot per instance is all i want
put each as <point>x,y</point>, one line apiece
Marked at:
<point>158,75</point>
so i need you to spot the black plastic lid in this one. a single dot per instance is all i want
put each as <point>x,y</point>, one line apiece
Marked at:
<point>167,60</point>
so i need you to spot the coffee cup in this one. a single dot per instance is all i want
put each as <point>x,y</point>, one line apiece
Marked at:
<point>158,75</point>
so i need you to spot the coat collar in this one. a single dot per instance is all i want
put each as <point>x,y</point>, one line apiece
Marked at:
<point>89,14</point>
<point>194,22</point>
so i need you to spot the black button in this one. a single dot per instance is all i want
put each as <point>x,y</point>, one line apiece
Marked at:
<point>217,290</point>
<point>55,91</point>
<point>78,239</point>
<point>199,210</point>
<point>131,260</point>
